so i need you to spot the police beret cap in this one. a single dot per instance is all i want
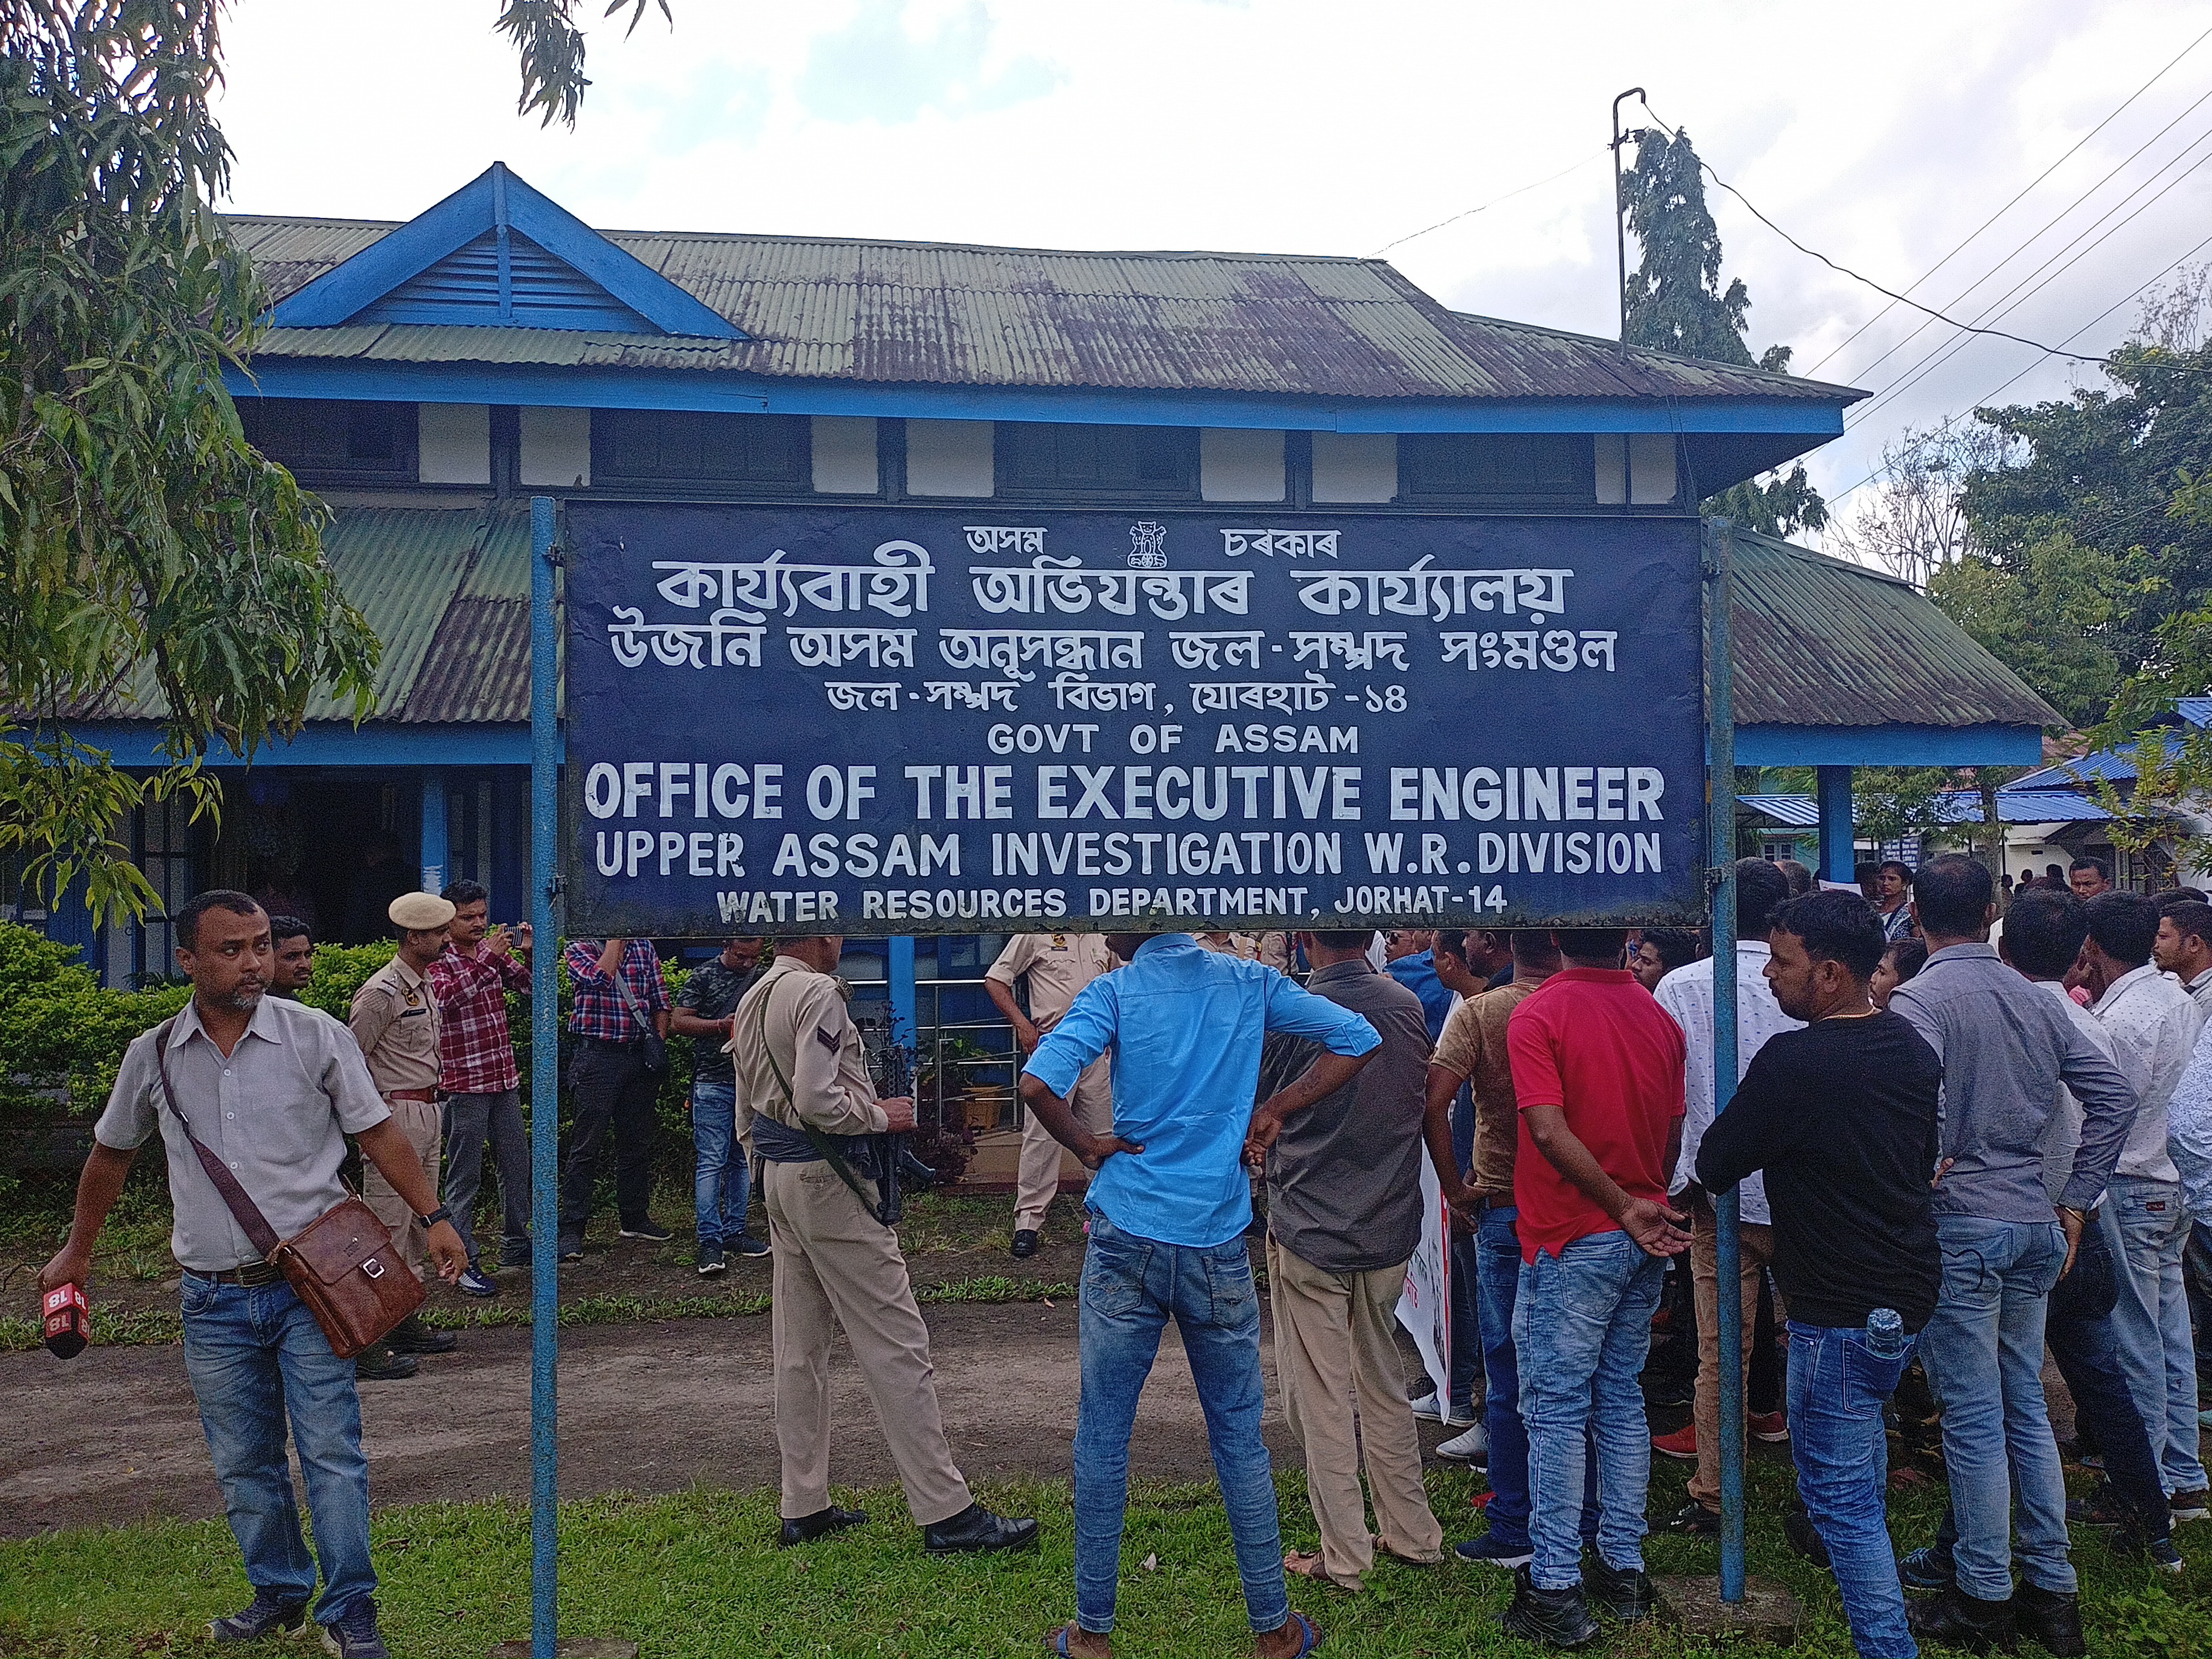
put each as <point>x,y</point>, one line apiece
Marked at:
<point>420,911</point>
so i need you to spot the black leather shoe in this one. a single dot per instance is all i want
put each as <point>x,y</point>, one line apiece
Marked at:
<point>1959,1621</point>
<point>1025,1243</point>
<point>1551,1619</point>
<point>2052,1618</point>
<point>820,1524</point>
<point>1625,1595</point>
<point>411,1335</point>
<point>380,1364</point>
<point>976,1529</point>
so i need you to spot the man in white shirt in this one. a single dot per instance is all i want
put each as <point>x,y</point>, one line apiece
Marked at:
<point>2154,1026</point>
<point>2184,948</point>
<point>1687,994</point>
<point>1050,968</point>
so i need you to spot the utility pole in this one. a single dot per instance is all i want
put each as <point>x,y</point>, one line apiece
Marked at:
<point>1620,211</point>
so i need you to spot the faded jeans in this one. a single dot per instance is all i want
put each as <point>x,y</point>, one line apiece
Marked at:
<point>1581,1323</point>
<point>1131,1286</point>
<point>1837,1388</point>
<point>1983,1355</point>
<point>256,1358</point>
<point>2152,1319</point>
<point>722,1182</point>
<point>2083,1341</point>
<point>471,1121</point>
<point>1498,1258</point>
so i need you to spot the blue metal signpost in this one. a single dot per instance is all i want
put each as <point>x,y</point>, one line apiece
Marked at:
<point>1719,572</point>
<point>544,1078</point>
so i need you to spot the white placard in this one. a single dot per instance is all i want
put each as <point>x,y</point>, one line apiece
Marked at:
<point>1424,1305</point>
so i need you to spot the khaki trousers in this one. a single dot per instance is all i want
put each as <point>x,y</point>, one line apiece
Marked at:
<point>1343,1394</point>
<point>1756,1254</point>
<point>419,1121</point>
<point>834,1258</point>
<point>1038,1183</point>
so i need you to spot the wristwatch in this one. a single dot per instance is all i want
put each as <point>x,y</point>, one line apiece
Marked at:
<point>442,1213</point>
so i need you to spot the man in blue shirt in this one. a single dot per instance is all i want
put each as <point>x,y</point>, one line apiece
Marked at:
<point>1169,1207</point>
<point>1409,957</point>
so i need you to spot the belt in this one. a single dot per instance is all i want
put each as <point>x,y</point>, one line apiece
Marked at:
<point>252,1273</point>
<point>607,1043</point>
<point>429,1096</point>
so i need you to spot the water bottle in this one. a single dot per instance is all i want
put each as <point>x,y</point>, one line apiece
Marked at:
<point>1885,1337</point>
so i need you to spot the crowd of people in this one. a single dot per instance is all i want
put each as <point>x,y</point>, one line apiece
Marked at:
<point>1946,1150</point>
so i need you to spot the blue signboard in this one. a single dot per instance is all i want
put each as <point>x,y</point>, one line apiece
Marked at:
<point>883,719</point>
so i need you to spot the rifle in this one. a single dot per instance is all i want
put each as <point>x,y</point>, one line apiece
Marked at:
<point>891,1149</point>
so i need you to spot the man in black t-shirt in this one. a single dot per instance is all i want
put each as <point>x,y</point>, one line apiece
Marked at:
<point>722,1176</point>
<point>1843,1117</point>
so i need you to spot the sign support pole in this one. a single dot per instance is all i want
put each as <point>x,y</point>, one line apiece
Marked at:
<point>544,1078</point>
<point>1719,578</point>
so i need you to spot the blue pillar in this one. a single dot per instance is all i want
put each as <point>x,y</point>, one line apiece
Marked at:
<point>436,841</point>
<point>899,967</point>
<point>1838,851</point>
<point>544,1081</point>
<point>1720,673</point>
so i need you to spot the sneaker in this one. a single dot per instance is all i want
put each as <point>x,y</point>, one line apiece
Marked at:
<point>473,1283</point>
<point>1471,1448</point>
<point>353,1634</point>
<point>648,1230</point>
<point>2204,1417</point>
<point>1551,1619</point>
<point>1772,1427</point>
<point>268,1616</point>
<point>1623,1593</point>
<point>1927,1568</point>
<point>1492,1551</point>
<point>572,1249</point>
<point>1681,1445</point>
<point>711,1265</point>
<point>2190,1505</point>
<point>514,1255</point>
<point>2163,1555</point>
<point>2104,1509</point>
<point>1959,1621</point>
<point>1429,1408</point>
<point>746,1244</point>
<point>1694,1520</point>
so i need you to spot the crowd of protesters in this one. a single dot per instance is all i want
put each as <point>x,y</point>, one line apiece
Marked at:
<point>1953,1140</point>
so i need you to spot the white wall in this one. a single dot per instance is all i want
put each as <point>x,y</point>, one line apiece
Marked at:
<point>845,455</point>
<point>1355,466</point>
<point>1650,468</point>
<point>454,443</point>
<point>1238,463</point>
<point>556,446</point>
<point>949,458</point>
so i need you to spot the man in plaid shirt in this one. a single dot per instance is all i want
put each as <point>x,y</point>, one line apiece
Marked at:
<point>614,1092</point>
<point>476,1076</point>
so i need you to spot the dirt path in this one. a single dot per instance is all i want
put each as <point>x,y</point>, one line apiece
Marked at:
<point>113,1435</point>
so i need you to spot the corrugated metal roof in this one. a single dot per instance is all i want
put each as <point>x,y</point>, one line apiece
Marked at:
<point>1959,807</point>
<point>938,314</point>
<point>477,666</point>
<point>2112,765</point>
<point>1819,641</point>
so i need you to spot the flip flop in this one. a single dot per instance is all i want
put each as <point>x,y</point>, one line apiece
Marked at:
<point>1383,1548</point>
<point>1311,1633</point>
<point>1305,1564</point>
<point>1057,1641</point>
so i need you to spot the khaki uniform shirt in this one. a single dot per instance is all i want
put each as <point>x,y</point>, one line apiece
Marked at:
<point>811,1038</point>
<point>1243,946</point>
<point>1057,965</point>
<point>395,1020</point>
<point>1474,1046</point>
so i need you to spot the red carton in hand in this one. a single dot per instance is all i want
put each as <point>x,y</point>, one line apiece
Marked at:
<point>68,1318</point>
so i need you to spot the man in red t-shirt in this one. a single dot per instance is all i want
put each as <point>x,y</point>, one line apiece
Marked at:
<point>1597,1073</point>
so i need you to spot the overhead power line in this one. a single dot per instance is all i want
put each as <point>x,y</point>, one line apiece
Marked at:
<point>1486,206</point>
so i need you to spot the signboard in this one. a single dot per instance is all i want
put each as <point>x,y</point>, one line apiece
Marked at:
<point>885,719</point>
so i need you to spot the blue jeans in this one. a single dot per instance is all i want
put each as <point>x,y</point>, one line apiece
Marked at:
<point>2152,1319</point>
<point>1498,1262</point>
<point>256,1358</point>
<point>722,1182</point>
<point>1130,1288</point>
<point>1581,1323</point>
<point>2079,1328</point>
<point>1984,1354</point>
<point>1836,1389</point>
<point>1467,1327</point>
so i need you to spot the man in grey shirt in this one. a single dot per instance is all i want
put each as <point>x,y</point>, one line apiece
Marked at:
<point>1344,1214</point>
<point>271,1088</point>
<point>2007,1048</point>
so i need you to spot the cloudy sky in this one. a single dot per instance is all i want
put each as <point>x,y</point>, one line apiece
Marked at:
<point>1882,134</point>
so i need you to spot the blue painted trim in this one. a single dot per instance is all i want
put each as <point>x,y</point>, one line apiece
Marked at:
<point>494,200</point>
<point>552,385</point>
<point>1831,788</point>
<point>137,743</point>
<point>1888,745</point>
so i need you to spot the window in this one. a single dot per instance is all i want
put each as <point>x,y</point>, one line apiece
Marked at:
<point>1447,468</point>
<point>726,454</point>
<point>1099,463</point>
<point>372,443</point>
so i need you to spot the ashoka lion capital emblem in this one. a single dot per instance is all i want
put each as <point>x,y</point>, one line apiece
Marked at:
<point>1148,545</point>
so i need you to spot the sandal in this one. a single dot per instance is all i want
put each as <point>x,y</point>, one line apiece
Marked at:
<point>1381,1547</point>
<point>1309,1635</point>
<point>1059,1640</point>
<point>1306,1564</point>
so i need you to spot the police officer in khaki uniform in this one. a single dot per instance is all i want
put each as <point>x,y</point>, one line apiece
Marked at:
<point>803,1089</point>
<point>394,1017</point>
<point>1056,966</point>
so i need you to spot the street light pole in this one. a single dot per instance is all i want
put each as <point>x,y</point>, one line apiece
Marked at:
<point>1620,213</point>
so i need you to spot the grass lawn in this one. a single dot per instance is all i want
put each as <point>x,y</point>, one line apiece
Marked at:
<point>696,1574</point>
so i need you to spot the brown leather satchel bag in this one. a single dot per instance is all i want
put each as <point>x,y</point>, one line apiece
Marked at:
<point>342,1264</point>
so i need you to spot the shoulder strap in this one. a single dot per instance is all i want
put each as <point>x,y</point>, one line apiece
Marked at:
<point>630,997</point>
<point>815,1137</point>
<point>256,1224</point>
